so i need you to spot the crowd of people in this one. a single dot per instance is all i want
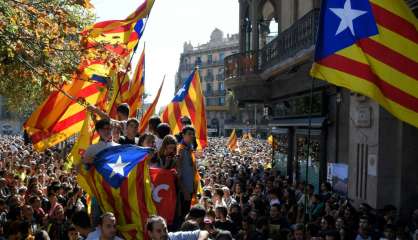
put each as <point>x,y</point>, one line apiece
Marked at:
<point>243,195</point>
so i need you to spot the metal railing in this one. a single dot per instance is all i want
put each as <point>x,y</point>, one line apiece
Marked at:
<point>301,35</point>
<point>241,64</point>
<point>215,93</point>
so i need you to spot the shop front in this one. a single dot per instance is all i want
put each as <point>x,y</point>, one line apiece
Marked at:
<point>296,132</point>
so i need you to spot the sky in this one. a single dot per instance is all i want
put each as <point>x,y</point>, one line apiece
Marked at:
<point>171,23</point>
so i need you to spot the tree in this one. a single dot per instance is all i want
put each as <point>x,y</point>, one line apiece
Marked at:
<point>40,47</point>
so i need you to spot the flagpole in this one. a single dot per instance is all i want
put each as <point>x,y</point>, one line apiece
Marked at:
<point>143,75</point>
<point>79,101</point>
<point>132,56</point>
<point>272,148</point>
<point>308,151</point>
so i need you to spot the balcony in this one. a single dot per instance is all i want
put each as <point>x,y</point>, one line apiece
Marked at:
<point>247,73</point>
<point>300,36</point>
<point>215,93</point>
<point>187,67</point>
<point>241,64</point>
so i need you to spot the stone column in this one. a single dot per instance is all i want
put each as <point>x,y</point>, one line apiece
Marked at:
<point>242,32</point>
<point>254,23</point>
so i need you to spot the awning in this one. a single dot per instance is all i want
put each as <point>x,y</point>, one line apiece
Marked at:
<point>316,122</point>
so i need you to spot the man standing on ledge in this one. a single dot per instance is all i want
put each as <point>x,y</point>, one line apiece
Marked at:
<point>186,169</point>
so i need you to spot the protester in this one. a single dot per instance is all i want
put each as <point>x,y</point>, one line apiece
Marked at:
<point>104,129</point>
<point>186,170</point>
<point>131,132</point>
<point>107,228</point>
<point>244,197</point>
<point>157,230</point>
<point>167,152</point>
<point>122,112</point>
<point>163,129</point>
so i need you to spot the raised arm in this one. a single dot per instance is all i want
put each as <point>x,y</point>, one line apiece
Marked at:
<point>98,111</point>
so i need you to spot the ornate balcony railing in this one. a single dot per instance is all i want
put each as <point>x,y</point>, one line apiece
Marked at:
<point>301,35</point>
<point>241,64</point>
<point>215,93</point>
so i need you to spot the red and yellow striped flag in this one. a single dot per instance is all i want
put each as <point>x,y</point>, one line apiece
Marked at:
<point>58,117</point>
<point>247,136</point>
<point>120,40</point>
<point>136,90</point>
<point>120,91</point>
<point>189,101</point>
<point>84,140</point>
<point>232,143</point>
<point>150,111</point>
<point>120,181</point>
<point>140,13</point>
<point>371,47</point>
<point>273,142</point>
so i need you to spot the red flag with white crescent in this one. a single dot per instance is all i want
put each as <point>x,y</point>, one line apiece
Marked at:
<point>164,192</point>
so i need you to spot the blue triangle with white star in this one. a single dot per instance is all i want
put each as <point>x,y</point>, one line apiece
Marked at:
<point>115,163</point>
<point>342,24</point>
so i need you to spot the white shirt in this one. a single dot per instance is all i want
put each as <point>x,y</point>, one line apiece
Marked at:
<point>94,149</point>
<point>193,235</point>
<point>158,143</point>
<point>96,235</point>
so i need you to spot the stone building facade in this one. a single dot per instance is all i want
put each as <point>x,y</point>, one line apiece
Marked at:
<point>222,112</point>
<point>343,128</point>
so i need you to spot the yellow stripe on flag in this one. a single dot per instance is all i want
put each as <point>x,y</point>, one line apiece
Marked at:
<point>366,88</point>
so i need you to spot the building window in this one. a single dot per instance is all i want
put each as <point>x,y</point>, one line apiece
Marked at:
<point>208,88</point>
<point>209,76</point>
<point>221,86</point>
<point>221,57</point>
<point>221,101</point>
<point>198,62</point>
<point>210,59</point>
<point>212,102</point>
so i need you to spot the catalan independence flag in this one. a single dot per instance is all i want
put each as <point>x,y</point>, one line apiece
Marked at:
<point>141,12</point>
<point>60,117</point>
<point>84,140</point>
<point>121,39</point>
<point>136,89</point>
<point>150,111</point>
<point>120,180</point>
<point>273,142</point>
<point>371,47</point>
<point>189,101</point>
<point>232,143</point>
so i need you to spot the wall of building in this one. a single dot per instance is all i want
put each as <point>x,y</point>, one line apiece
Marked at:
<point>286,14</point>
<point>338,129</point>
<point>218,48</point>
<point>383,158</point>
<point>304,6</point>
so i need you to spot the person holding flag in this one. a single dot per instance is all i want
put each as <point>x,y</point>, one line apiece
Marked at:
<point>103,127</point>
<point>233,141</point>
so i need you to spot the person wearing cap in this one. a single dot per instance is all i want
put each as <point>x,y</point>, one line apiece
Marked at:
<point>104,129</point>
